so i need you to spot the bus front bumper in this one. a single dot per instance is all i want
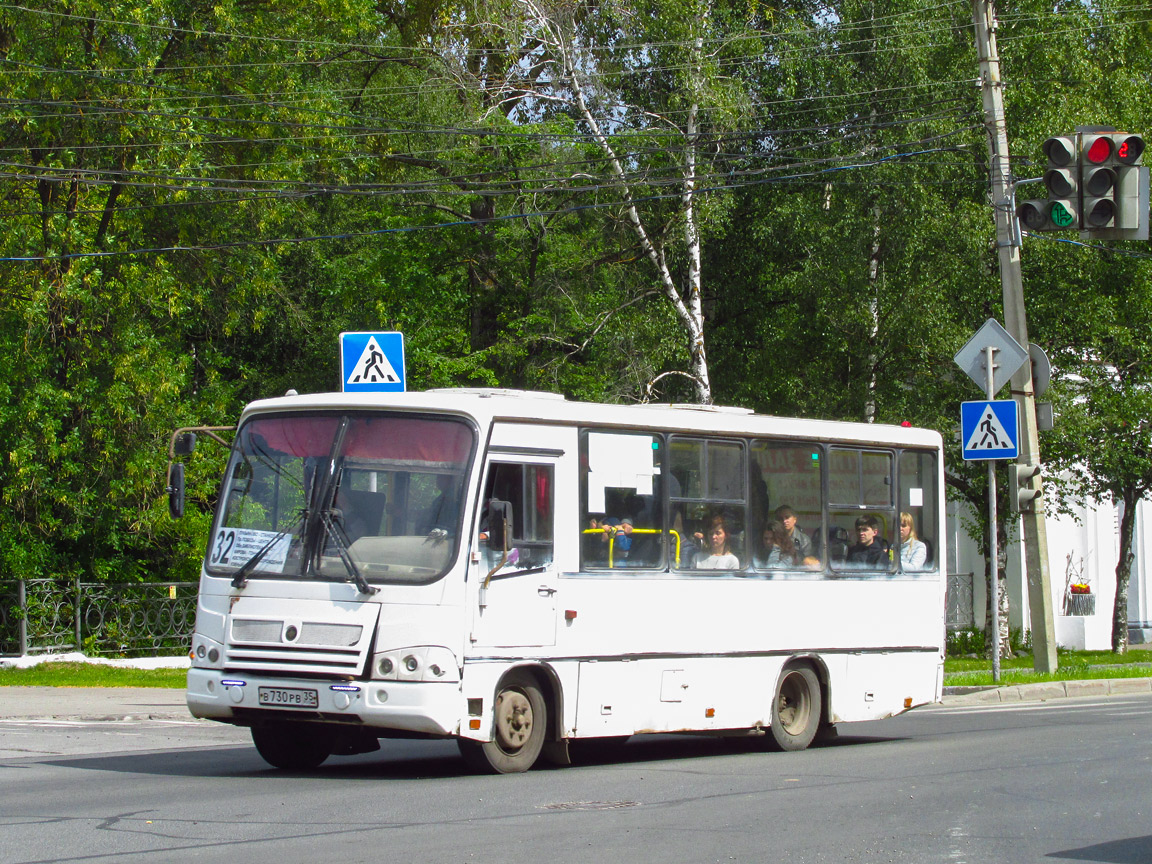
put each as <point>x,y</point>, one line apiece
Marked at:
<point>423,707</point>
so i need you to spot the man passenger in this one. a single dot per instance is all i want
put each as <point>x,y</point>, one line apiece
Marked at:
<point>871,550</point>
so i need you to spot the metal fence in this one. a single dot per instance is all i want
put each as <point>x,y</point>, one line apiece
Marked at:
<point>960,612</point>
<point>40,616</point>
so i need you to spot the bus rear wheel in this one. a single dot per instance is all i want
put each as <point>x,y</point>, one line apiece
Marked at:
<point>796,708</point>
<point>520,723</point>
<point>293,746</point>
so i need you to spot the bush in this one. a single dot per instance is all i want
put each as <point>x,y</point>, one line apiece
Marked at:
<point>963,642</point>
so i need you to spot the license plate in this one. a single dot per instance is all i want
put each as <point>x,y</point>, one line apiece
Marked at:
<point>289,697</point>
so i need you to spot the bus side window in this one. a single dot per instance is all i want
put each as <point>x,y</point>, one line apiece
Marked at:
<point>528,488</point>
<point>712,481</point>
<point>861,504</point>
<point>918,511</point>
<point>621,509</point>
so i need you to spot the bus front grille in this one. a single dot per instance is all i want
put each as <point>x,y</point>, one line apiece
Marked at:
<point>288,660</point>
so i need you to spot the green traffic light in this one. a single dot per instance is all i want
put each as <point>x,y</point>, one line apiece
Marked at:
<point>1060,216</point>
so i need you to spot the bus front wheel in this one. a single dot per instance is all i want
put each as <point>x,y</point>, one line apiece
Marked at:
<point>520,723</point>
<point>292,746</point>
<point>796,709</point>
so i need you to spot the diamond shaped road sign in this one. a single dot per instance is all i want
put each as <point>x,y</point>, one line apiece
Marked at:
<point>1008,355</point>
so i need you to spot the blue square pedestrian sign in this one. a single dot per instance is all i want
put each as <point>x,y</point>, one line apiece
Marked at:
<point>372,363</point>
<point>990,429</point>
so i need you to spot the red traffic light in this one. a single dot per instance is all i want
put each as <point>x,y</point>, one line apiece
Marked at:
<point>1129,150</point>
<point>1097,148</point>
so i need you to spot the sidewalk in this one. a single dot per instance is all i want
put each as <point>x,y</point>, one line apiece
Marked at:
<point>1045,691</point>
<point>93,703</point>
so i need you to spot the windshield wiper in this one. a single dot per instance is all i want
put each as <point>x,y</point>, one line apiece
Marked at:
<point>320,523</point>
<point>240,578</point>
<point>334,531</point>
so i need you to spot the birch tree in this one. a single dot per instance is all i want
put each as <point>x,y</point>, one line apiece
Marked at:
<point>646,84</point>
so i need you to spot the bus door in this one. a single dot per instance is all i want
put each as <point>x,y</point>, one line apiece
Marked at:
<point>515,574</point>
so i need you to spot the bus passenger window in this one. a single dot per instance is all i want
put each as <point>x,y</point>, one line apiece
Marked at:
<point>918,512</point>
<point>861,514</point>
<point>709,497</point>
<point>786,500</point>
<point>622,508</point>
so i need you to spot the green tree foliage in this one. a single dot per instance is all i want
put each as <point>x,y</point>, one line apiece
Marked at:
<point>198,198</point>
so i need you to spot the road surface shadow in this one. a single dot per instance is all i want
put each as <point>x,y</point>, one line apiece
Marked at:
<point>1134,850</point>
<point>431,759</point>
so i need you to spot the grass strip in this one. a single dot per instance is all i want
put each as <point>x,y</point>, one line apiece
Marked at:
<point>1065,659</point>
<point>72,674</point>
<point>1026,676</point>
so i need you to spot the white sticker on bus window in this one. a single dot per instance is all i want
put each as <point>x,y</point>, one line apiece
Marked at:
<point>618,462</point>
<point>915,497</point>
<point>233,547</point>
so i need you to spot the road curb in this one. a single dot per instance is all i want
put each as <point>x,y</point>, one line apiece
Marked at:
<point>1045,691</point>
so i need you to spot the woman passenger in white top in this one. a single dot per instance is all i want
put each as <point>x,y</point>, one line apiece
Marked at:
<point>913,553</point>
<point>720,556</point>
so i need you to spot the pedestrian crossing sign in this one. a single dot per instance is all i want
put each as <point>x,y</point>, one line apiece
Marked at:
<point>990,429</point>
<point>372,363</point>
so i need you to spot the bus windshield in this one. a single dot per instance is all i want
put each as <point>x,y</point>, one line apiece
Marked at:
<point>363,498</point>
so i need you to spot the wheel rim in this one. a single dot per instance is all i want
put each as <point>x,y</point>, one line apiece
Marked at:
<point>513,720</point>
<point>795,704</point>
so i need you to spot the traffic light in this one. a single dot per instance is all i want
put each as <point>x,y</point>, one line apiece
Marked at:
<point>1061,212</point>
<point>1131,220</point>
<point>1098,176</point>
<point>1021,489</point>
<point>1115,187</point>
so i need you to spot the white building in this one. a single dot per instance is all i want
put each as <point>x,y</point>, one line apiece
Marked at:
<point>1083,550</point>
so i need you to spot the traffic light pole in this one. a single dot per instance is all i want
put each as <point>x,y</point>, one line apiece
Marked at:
<point>1016,323</point>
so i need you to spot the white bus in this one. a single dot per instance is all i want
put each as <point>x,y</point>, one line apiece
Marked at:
<point>517,571</point>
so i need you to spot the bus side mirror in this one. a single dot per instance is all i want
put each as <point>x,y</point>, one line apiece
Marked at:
<point>175,489</point>
<point>499,524</point>
<point>183,445</point>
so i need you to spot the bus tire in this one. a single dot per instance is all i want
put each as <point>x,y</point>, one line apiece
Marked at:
<point>519,726</point>
<point>292,746</point>
<point>796,708</point>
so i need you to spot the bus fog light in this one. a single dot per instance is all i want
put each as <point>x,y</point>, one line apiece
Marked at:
<point>381,696</point>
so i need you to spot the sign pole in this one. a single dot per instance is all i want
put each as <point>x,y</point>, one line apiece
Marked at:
<point>1012,288</point>
<point>993,540</point>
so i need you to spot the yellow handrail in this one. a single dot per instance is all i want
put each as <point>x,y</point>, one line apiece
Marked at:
<point>612,539</point>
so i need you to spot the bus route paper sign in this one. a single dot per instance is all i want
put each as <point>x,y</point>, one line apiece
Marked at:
<point>372,363</point>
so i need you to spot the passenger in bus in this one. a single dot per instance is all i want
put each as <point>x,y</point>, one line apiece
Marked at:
<point>777,550</point>
<point>803,543</point>
<point>871,550</point>
<point>913,551</point>
<point>619,532</point>
<point>719,555</point>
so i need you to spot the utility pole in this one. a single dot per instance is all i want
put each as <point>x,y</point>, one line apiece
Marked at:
<point>1016,323</point>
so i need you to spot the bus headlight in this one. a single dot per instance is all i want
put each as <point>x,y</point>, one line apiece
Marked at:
<point>206,653</point>
<point>421,663</point>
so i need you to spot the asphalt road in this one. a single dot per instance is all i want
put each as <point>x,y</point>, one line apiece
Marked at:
<point>1066,780</point>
